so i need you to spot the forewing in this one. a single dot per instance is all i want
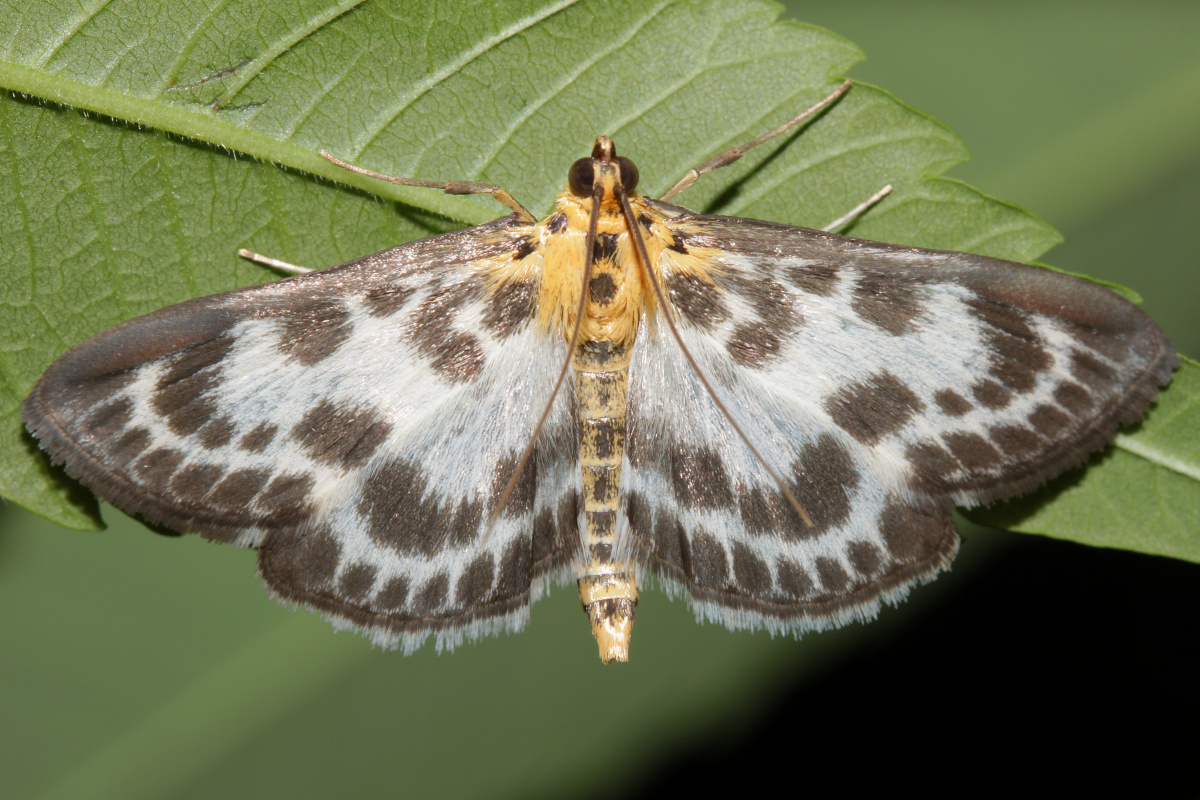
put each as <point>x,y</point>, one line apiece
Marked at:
<point>356,425</point>
<point>884,384</point>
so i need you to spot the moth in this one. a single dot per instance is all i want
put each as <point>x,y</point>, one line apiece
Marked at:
<point>775,422</point>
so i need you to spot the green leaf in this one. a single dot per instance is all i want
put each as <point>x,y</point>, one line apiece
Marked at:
<point>199,691</point>
<point>132,190</point>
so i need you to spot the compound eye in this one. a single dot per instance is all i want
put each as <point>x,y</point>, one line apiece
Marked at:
<point>629,173</point>
<point>580,177</point>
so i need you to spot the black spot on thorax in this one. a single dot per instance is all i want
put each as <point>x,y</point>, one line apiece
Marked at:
<point>602,289</point>
<point>605,248</point>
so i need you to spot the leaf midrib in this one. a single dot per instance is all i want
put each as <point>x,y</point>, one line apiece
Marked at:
<point>205,127</point>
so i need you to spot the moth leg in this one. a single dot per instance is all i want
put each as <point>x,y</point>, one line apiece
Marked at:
<point>274,263</point>
<point>858,210</point>
<point>449,187</point>
<point>734,153</point>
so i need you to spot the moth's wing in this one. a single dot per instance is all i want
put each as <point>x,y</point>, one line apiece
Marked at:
<point>355,424</point>
<point>885,384</point>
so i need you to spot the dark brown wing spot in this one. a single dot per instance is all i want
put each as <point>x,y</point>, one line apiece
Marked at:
<point>288,495</point>
<point>912,535</point>
<point>183,392</point>
<point>555,534</point>
<point>196,480</point>
<point>990,394</point>
<point>475,583</point>
<point>932,467</point>
<point>313,331</point>
<point>670,539</point>
<point>1017,351</point>
<point>432,595</point>
<point>94,390</point>
<point>510,307</point>
<point>238,488</point>
<point>1049,421</point>
<point>127,448</point>
<point>109,419</point>
<point>824,481</point>
<point>197,358</point>
<point>874,408</point>
<point>402,513</point>
<point>458,357</point>
<point>697,300</point>
<point>515,573</point>
<point>865,558</point>
<point>383,301</point>
<point>393,595</point>
<point>543,534</point>
<point>705,561</point>
<point>1090,370</point>
<point>1015,441</point>
<point>1073,397</point>
<point>156,468</point>
<point>834,579</point>
<point>951,402</point>
<point>357,580</point>
<point>520,502</point>
<point>216,433</point>
<point>186,402</point>
<point>889,300</point>
<point>699,478</point>
<point>794,581</point>
<point>345,437</point>
<point>753,345</point>
<point>257,439</point>
<point>308,562</point>
<point>774,304</point>
<point>751,572</point>
<point>972,450</point>
<point>765,511</point>
<point>815,278</point>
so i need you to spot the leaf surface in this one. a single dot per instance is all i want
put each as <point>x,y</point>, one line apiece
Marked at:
<point>133,190</point>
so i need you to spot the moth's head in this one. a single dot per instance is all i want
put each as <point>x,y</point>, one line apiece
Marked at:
<point>605,174</point>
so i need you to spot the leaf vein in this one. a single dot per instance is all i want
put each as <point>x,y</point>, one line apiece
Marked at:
<point>532,108</point>
<point>1134,445</point>
<point>281,46</point>
<point>53,48</point>
<point>185,51</point>
<point>796,168</point>
<point>372,132</point>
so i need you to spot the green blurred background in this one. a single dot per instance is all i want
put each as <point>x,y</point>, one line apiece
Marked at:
<point>136,665</point>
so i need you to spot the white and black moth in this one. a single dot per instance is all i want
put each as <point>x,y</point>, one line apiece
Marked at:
<point>360,425</point>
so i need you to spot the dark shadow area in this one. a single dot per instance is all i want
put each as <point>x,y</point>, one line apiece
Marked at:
<point>1060,667</point>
